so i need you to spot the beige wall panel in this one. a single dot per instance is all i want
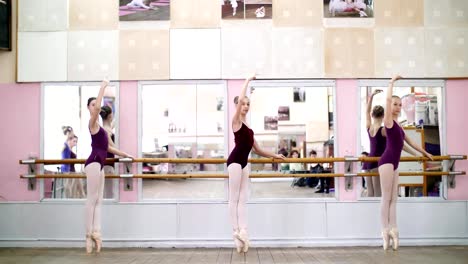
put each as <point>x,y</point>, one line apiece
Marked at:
<point>195,54</point>
<point>361,47</point>
<point>42,56</point>
<point>411,13</point>
<point>93,55</point>
<point>44,15</point>
<point>246,49</point>
<point>195,14</point>
<point>297,53</point>
<point>386,13</point>
<point>401,13</point>
<point>298,13</point>
<point>338,53</point>
<point>94,15</point>
<point>144,55</point>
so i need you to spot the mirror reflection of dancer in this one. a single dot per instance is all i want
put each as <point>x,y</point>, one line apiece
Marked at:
<point>376,133</point>
<point>388,166</point>
<point>107,117</point>
<point>238,169</point>
<point>94,171</point>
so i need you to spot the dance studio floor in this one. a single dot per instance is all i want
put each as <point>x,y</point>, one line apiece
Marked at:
<point>348,255</point>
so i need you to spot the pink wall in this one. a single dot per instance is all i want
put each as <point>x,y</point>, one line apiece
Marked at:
<point>20,137</point>
<point>128,131</point>
<point>457,127</point>
<point>345,127</point>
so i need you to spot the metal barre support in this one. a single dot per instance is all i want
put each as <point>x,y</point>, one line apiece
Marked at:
<point>32,170</point>
<point>451,177</point>
<point>128,174</point>
<point>348,171</point>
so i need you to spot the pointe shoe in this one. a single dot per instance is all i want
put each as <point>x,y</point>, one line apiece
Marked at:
<point>242,235</point>
<point>96,236</point>
<point>89,244</point>
<point>386,238</point>
<point>396,240</point>
<point>238,242</point>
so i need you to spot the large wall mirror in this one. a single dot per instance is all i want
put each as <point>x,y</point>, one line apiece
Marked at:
<point>422,119</point>
<point>183,120</point>
<point>296,120</point>
<point>65,135</point>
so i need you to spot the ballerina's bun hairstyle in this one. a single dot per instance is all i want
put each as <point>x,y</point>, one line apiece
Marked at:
<point>105,112</point>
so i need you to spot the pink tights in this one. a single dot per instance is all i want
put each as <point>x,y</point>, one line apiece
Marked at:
<point>389,186</point>
<point>95,190</point>
<point>238,193</point>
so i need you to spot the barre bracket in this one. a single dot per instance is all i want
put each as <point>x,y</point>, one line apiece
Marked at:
<point>348,171</point>
<point>32,169</point>
<point>128,175</point>
<point>451,177</point>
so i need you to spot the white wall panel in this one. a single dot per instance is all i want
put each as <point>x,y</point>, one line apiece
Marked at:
<point>44,15</point>
<point>93,55</point>
<point>247,49</point>
<point>42,56</point>
<point>195,54</point>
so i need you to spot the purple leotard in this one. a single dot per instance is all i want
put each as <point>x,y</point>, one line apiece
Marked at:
<point>377,148</point>
<point>111,155</point>
<point>244,138</point>
<point>99,144</point>
<point>392,153</point>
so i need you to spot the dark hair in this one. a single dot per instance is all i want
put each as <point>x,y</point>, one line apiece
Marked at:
<point>236,99</point>
<point>365,153</point>
<point>91,99</point>
<point>283,152</point>
<point>312,152</point>
<point>105,112</point>
<point>67,129</point>
<point>378,111</point>
<point>294,151</point>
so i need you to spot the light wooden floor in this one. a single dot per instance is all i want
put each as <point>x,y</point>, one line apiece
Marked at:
<point>348,255</point>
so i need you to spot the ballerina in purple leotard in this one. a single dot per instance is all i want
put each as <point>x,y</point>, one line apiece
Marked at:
<point>388,166</point>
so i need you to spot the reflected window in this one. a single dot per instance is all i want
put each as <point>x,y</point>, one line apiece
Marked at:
<point>420,118</point>
<point>66,135</point>
<point>293,119</point>
<point>183,121</point>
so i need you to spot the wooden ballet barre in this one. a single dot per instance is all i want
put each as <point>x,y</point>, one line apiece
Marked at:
<point>254,175</point>
<point>254,161</point>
